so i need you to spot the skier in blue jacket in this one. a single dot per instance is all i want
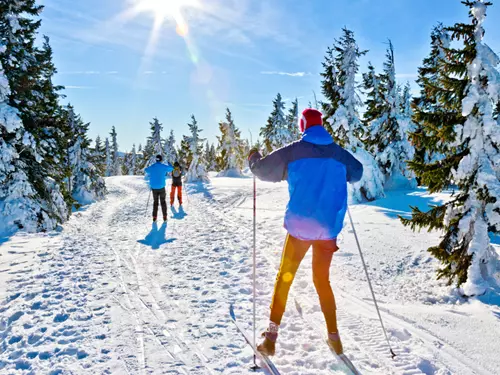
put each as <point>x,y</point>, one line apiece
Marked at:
<point>157,174</point>
<point>317,171</point>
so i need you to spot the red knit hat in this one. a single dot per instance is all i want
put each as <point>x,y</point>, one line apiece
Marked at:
<point>310,117</point>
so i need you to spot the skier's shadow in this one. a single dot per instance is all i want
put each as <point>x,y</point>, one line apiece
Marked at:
<point>156,237</point>
<point>178,214</point>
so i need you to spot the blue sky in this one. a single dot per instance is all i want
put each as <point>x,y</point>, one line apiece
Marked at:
<point>237,54</point>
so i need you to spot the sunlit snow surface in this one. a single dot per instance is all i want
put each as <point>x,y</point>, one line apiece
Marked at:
<point>111,294</point>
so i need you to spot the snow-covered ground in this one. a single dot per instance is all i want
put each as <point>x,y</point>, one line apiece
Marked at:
<point>110,294</point>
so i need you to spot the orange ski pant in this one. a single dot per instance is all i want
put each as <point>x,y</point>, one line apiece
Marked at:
<point>179,194</point>
<point>293,254</point>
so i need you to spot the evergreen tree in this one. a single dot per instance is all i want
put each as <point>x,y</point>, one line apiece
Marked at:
<point>213,158</point>
<point>115,157</point>
<point>387,136</point>
<point>139,161</point>
<point>21,206</point>
<point>99,156</point>
<point>230,150</point>
<point>19,22</point>
<point>196,171</point>
<point>185,156</point>
<point>126,160</point>
<point>341,109</point>
<point>210,157</point>
<point>109,158</point>
<point>466,87</point>
<point>154,145</point>
<point>170,151</point>
<point>427,106</point>
<point>374,104</point>
<point>85,182</point>
<point>292,120</point>
<point>28,72</point>
<point>132,169</point>
<point>275,133</point>
<point>330,88</point>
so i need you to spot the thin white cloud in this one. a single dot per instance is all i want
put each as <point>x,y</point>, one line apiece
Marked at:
<point>289,74</point>
<point>78,87</point>
<point>83,72</point>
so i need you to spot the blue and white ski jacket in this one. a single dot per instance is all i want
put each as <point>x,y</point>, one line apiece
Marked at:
<point>157,173</point>
<point>317,171</point>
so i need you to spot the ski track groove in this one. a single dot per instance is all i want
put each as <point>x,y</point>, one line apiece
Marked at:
<point>141,324</point>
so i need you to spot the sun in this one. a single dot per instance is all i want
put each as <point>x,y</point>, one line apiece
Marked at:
<point>162,9</point>
<point>164,13</point>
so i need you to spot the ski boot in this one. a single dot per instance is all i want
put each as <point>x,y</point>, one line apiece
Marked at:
<point>335,343</point>
<point>268,346</point>
<point>164,218</point>
<point>154,219</point>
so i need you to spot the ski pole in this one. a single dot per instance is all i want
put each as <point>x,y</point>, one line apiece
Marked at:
<point>147,205</point>
<point>370,284</point>
<point>255,367</point>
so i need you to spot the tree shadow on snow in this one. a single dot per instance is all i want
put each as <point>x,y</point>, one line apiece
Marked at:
<point>492,297</point>
<point>398,202</point>
<point>495,239</point>
<point>156,237</point>
<point>178,214</point>
<point>200,188</point>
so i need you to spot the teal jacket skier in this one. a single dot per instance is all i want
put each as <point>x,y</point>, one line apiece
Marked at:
<point>157,174</point>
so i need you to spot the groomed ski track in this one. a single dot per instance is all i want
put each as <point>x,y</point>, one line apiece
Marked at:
<point>109,295</point>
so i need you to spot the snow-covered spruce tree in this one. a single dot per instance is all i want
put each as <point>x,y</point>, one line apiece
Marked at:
<point>146,156</point>
<point>155,142</point>
<point>387,134</point>
<point>132,166</point>
<point>374,103</point>
<point>470,83</point>
<point>29,72</point>
<point>109,162</point>
<point>292,120</point>
<point>170,151</point>
<point>116,167</point>
<point>230,151</point>
<point>99,156</point>
<point>330,88</point>
<point>197,171</point>
<point>210,157</point>
<point>21,206</point>
<point>427,106</point>
<point>85,182</point>
<point>275,133</point>
<point>206,155</point>
<point>185,157</point>
<point>139,161</point>
<point>339,87</point>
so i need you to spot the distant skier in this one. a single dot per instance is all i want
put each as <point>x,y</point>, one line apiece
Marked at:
<point>157,174</point>
<point>177,174</point>
<point>317,171</point>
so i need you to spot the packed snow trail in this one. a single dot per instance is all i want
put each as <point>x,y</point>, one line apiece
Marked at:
<point>113,294</point>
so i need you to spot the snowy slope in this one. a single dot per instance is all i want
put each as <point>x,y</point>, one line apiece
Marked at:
<point>109,294</point>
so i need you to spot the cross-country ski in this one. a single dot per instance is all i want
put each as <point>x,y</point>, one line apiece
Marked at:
<point>249,187</point>
<point>267,363</point>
